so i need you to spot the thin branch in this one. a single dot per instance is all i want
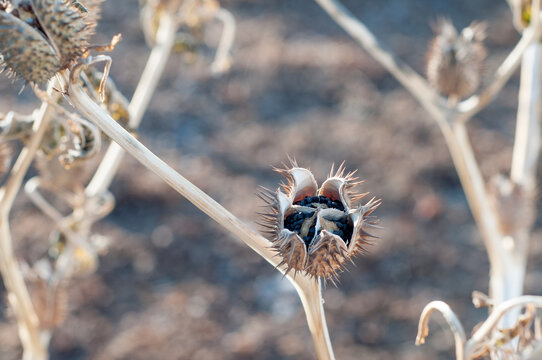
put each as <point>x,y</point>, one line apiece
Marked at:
<point>453,322</point>
<point>222,60</point>
<point>313,307</point>
<point>18,296</point>
<point>411,80</point>
<point>471,106</point>
<point>527,141</point>
<point>147,84</point>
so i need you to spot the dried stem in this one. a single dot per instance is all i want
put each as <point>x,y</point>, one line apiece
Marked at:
<point>147,84</point>
<point>471,106</point>
<point>493,320</point>
<point>507,269</point>
<point>527,142</point>
<point>411,80</point>
<point>453,322</point>
<point>222,57</point>
<point>309,295</point>
<point>34,341</point>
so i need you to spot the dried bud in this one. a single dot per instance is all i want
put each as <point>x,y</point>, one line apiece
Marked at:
<point>317,230</point>
<point>454,62</point>
<point>481,300</point>
<point>6,152</point>
<point>513,203</point>
<point>50,298</point>
<point>40,37</point>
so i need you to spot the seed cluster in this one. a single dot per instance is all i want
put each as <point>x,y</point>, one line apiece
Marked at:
<point>296,220</point>
<point>313,200</point>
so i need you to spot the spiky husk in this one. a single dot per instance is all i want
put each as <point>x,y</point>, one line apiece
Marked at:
<point>6,152</point>
<point>50,299</point>
<point>454,61</point>
<point>66,26</point>
<point>325,254</point>
<point>36,53</point>
<point>25,52</point>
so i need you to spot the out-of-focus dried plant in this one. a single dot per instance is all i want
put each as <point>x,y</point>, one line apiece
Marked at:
<point>454,61</point>
<point>191,16</point>
<point>520,341</point>
<point>33,36</point>
<point>504,209</point>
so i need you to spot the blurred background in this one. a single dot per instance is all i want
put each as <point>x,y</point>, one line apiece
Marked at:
<point>174,285</point>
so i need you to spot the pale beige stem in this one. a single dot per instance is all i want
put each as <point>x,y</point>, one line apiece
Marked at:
<point>147,84</point>
<point>222,60</point>
<point>451,319</point>
<point>411,80</point>
<point>205,203</point>
<point>527,141</point>
<point>471,106</point>
<point>310,293</point>
<point>34,346</point>
<point>523,173</point>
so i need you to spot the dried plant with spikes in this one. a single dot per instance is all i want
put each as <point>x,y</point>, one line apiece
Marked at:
<point>49,295</point>
<point>454,61</point>
<point>33,36</point>
<point>6,153</point>
<point>317,230</point>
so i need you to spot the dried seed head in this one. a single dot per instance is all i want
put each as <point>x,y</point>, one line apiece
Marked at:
<point>454,61</point>
<point>40,37</point>
<point>513,203</point>
<point>6,153</point>
<point>316,230</point>
<point>50,298</point>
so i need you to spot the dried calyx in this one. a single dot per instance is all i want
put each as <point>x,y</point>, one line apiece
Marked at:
<point>454,61</point>
<point>316,230</point>
<point>40,37</point>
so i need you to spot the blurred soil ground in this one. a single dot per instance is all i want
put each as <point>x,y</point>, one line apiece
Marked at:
<point>174,285</point>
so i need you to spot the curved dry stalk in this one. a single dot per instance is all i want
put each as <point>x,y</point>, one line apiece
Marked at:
<point>310,298</point>
<point>493,320</point>
<point>451,319</point>
<point>222,60</point>
<point>33,340</point>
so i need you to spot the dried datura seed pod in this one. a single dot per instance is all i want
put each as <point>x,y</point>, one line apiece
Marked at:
<point>50,298</point>
<point>454,61</point>
<point>6,153</point>
<point>316,230</point>
<point>40,37</point>
<point>513,203</point>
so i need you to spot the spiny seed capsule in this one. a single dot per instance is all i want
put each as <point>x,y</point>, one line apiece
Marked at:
<point>454,62</point>
<point>40,37</point>
<point>316,230</point>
